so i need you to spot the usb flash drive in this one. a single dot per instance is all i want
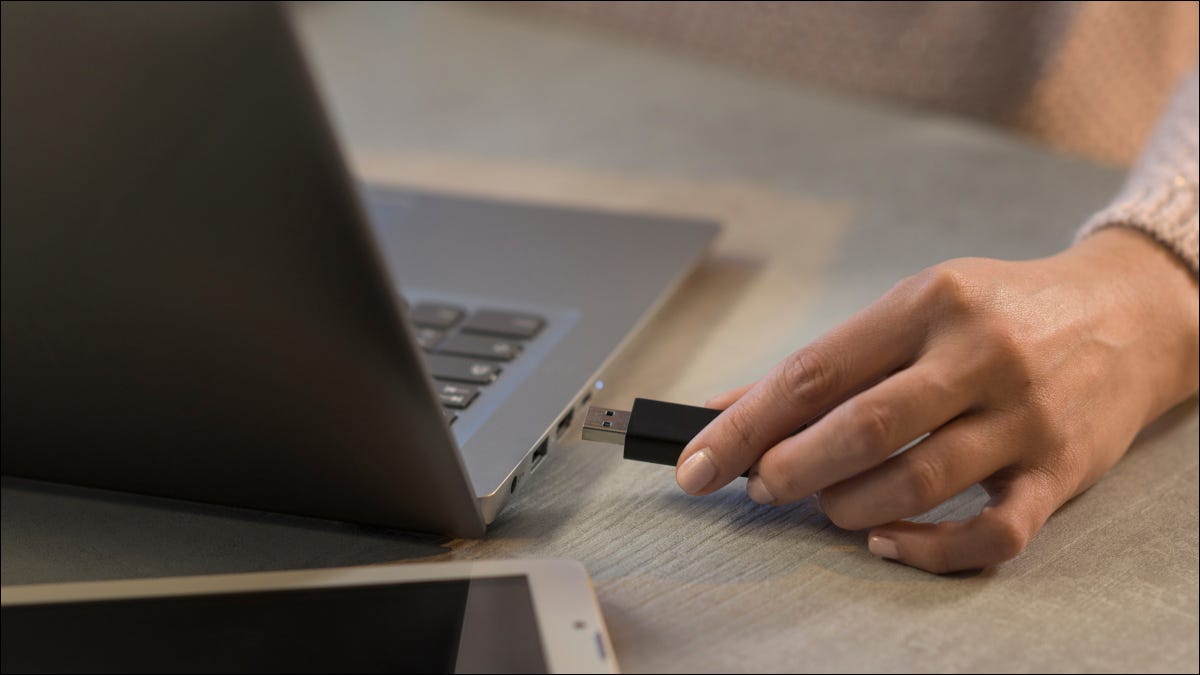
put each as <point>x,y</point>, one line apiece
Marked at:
<point>653,431</point>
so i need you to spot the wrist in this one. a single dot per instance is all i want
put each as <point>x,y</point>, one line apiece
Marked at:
<point>1141,283</point>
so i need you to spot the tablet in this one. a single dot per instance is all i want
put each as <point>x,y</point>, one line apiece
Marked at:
<point>511,616</point>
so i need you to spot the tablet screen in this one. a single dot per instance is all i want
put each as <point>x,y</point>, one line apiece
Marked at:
<point>459,625</point>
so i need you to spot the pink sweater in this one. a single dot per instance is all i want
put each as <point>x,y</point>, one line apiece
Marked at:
<point>1159,197</point>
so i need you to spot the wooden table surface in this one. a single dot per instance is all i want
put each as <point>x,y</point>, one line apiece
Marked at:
<point>826,201</point>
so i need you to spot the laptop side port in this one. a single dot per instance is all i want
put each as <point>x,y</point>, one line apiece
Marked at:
<point>539,453</point>
<point>564,423</point>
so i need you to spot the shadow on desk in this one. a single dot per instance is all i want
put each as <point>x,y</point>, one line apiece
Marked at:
<point>57,533</point>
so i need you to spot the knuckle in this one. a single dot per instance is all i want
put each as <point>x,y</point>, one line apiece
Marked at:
<point>939,383</point>
<point>876,423</point>
<point>807,375</point>
<point>1004,345</point>
<point>1003,356</point>
<point>1009,539</point>
<point>922,478</point>
<point>946,288</point>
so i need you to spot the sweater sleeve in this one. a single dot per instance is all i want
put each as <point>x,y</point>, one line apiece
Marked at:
<point>1159,197</point>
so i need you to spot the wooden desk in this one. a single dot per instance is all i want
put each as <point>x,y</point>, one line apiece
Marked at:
<point>827,202</point>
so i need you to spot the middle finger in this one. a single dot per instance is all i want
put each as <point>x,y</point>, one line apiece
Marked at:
<point>862,432</point>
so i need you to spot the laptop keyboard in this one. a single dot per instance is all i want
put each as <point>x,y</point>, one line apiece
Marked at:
<point>466,351</point>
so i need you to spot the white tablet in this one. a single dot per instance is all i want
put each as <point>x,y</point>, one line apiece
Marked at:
<point>510,616</point>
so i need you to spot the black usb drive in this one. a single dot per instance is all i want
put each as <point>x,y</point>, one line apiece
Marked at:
<point>654,431</point>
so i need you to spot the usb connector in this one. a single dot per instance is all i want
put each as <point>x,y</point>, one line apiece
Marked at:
<point>653,431</point>
<point>606,425</point>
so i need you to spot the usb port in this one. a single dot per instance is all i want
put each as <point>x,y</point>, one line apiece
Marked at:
<point>539,453</point>
<point>564,423</point>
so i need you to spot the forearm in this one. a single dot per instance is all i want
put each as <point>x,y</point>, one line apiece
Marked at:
<point>1160,196</point>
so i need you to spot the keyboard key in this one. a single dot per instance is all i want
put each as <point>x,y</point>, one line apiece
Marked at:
<point>459,369</point>
<point>435,315</point>
<point>510,324</point>
<point>450,417</point>
<point>480,347</point>
<point>456,396</point>
<point>429,337</point>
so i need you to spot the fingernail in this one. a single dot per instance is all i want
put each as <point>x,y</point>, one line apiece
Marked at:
<point>883,547</point>
<point>696,472</point>
<point>758,491</point>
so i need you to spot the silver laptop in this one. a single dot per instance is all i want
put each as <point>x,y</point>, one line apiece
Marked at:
<point>199,302</point>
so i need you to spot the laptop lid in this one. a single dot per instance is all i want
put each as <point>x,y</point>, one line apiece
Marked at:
<point>192,305</point>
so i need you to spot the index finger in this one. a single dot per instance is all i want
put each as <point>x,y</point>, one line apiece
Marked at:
<point>866,348</point>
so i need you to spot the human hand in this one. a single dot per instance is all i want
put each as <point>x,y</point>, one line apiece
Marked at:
<point>1032,378</point>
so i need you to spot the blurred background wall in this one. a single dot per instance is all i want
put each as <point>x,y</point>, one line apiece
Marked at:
<point>1088,78</point>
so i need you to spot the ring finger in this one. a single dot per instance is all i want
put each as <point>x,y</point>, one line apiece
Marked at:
<point>961,454</point>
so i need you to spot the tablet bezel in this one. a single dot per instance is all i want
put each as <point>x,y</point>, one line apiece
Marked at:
<point>572,630</point>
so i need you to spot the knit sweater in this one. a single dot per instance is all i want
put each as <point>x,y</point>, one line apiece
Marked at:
<point>1085,77</point>
<point>1160,194</point>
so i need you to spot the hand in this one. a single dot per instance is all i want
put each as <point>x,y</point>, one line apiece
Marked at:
<point>1031,378</point>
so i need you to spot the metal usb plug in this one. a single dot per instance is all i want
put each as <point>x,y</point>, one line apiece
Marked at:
<point>653,431</point>
<point>605,425</point>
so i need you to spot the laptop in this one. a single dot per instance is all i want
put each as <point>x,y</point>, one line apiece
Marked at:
<point>199,302</point>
